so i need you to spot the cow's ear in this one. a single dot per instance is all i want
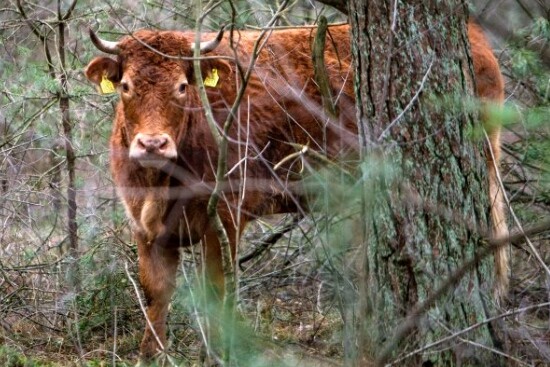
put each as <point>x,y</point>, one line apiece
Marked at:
<point>103,67</point>
<point>216,72</point>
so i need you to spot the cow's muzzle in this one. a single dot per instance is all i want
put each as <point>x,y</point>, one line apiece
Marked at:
<point>153,150</point>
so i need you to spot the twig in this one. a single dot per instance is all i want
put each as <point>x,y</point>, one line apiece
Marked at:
<point>115,333</point>
<point>142,306</point>
<point>192,293</point>
<point>512,212</point>
<point>282,27</point>
<point>496,351</point>
<point>421,308</point>
<point>466,330</point>
<point>303,150</point>
<point>269,240</point>
<point>409,105</point>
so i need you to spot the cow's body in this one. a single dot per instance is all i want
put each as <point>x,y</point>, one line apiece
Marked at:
<point>160,116</point>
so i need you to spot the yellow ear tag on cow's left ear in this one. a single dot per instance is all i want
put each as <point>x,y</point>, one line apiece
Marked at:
<point>212,79</point>
<point>106,86</point>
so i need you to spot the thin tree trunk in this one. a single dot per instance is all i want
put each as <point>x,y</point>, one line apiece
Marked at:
<point>64,107</point>
<point>426,211</point>
<point>69,150</point>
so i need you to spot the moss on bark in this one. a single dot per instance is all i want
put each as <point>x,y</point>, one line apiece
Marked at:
<point>428,217</point>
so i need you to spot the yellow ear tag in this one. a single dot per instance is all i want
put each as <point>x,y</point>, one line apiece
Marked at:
<point>212,79</point>
<point>106,86</point>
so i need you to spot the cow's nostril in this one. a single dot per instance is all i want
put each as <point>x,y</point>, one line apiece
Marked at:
<point>140,144</point>
<point>148,144</point>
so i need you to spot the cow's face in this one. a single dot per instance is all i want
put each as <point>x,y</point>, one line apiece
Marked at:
<point>154,82</point>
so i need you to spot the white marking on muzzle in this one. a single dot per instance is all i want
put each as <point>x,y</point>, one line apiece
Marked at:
<point>153,150</point>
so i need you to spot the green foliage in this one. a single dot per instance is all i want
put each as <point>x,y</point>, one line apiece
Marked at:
<point>107,298</point>
<point>531,101</point>
<point>103,363</point>
<point>525,61</point>
<point>9,357</point>
<point>537,117</point>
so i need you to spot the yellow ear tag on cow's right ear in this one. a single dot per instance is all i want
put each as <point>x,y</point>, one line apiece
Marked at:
<point>212,79</point>
<point>106,86</point>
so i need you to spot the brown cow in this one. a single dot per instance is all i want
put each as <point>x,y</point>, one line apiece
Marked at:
<point>163,155</point>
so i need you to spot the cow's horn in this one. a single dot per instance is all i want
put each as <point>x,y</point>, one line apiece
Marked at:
<point>109,47</point>
<point>208,46</point>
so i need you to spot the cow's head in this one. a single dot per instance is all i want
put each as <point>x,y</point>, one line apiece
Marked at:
<point>153,74</point>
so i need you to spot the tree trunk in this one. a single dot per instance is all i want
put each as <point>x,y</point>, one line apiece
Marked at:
<point>67,124</point>
<point>427,212</point>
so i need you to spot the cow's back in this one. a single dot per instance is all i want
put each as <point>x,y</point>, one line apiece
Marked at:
<point>281,109</point>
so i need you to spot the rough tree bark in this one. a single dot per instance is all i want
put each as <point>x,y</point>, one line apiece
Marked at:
<point>427,217</point>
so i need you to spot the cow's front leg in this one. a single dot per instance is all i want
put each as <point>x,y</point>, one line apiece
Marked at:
<point>158,263</point>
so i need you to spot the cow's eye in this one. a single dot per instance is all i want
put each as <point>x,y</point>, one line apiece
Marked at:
<point>182,88</point>
<point>125,87</point>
